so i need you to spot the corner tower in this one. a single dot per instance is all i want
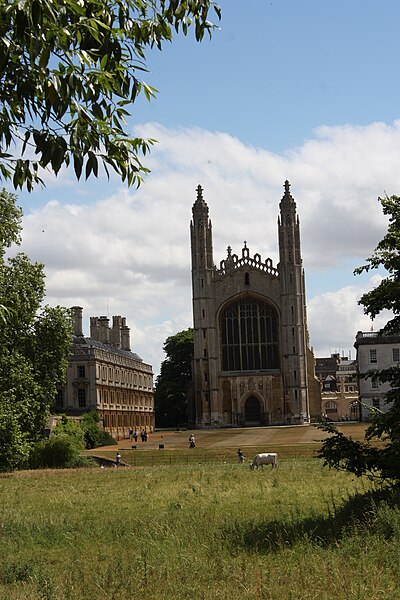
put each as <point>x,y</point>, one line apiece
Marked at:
<point>293,312</point>
<point>203,406</point>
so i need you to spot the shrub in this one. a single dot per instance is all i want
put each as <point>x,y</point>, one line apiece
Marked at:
<point>90,426</point>
<point>59,451</point>
<point>106,439</point>
<point>71,428</point>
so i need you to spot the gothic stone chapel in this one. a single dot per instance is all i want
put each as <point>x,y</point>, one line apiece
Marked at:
<point>252,361</point>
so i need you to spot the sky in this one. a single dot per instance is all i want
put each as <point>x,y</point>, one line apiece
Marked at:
<point>307,91</point>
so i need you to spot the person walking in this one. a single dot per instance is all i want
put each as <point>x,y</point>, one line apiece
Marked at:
<point>135,436</point>
<point>240,456</point>
<point>118,459</point>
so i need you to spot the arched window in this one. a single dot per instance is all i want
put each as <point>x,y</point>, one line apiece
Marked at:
<point>249,336</point>
<point>331,407</point>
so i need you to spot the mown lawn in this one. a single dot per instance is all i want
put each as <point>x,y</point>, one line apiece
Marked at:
<point>198,531</point>
<point>203,456</point>
<point>221,445</point>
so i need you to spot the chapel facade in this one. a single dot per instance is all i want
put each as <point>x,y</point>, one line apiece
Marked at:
<point>252,365</point>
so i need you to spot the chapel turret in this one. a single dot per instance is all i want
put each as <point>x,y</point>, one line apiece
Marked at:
<point>289,229</point>
<point>201,234</point>
<point>293,309</point>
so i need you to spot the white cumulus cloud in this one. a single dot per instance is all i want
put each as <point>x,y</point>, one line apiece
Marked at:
<point>127,252</point>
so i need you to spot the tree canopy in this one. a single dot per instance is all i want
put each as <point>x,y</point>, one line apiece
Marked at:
<point>69,72</point>
<point>172,385</point>
<point>364,458</point>
<point>34,345</point>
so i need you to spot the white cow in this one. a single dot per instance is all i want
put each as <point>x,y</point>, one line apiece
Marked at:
<point>266,458</point>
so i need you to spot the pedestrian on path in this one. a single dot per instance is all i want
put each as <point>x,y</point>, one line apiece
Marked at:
<point>240,456</point>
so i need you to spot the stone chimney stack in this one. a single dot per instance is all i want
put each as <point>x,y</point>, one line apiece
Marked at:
<point>115,333</point>
<point>77,318</point>
<point>104,329</point>
<point>125,336</point>
<point>94,328</point>
<point>118,335</point>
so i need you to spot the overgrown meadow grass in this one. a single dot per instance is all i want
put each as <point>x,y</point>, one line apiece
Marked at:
<point>199,531</point>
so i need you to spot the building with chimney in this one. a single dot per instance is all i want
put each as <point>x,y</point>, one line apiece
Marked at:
<point>104,374</point>
<point>375,352</point>
<point>252,361</point>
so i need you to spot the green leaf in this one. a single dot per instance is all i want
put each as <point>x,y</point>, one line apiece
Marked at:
<point>78,164</point>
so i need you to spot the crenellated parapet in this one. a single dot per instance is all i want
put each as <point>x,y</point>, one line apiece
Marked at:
<point>233,262</point>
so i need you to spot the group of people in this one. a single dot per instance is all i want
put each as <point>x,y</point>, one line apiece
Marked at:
<point>133,435</point>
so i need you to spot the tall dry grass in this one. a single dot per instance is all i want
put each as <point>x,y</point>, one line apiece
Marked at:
<point>208,531</point>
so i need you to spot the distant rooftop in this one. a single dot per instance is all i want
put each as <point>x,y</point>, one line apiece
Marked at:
<point>106,346</point>
<point>375,337</point>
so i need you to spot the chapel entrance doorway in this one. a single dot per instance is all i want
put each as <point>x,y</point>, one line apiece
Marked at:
<point>252,412</point>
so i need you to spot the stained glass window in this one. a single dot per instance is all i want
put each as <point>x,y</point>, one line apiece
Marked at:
<point>249,336</point>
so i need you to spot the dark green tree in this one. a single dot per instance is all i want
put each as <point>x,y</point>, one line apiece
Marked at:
<point>35,342</point>
<point>363,458</point>
<point>70,428</point>
<point>68,73</point>
<point>10,227</point>
<point>91,429</point>
<point>173,382</point>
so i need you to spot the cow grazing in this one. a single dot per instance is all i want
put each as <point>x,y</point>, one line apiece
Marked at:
<point>267,458</point>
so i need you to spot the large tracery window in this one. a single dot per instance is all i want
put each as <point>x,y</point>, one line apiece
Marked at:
<point>249,336</point>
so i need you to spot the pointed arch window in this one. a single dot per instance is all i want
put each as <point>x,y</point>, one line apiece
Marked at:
<point>249,336</point>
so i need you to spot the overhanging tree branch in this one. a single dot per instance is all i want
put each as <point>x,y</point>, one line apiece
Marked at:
<point>68,70</point>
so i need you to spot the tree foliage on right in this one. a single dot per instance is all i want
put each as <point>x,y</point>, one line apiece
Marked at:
<point>382,461</point>
<point>172,385</point>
